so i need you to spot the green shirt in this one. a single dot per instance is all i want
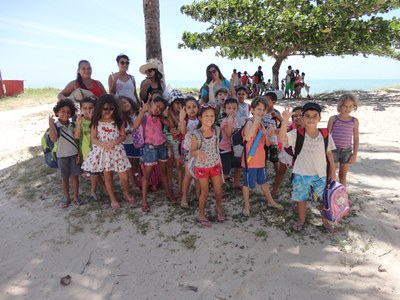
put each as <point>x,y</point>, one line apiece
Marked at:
<point>85,142</point>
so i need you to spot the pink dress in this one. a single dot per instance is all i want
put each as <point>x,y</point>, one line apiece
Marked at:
<point>99,159</point>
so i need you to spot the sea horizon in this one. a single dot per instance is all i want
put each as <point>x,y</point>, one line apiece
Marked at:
<point>316,86</point>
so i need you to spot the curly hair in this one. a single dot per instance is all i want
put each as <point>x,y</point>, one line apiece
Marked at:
<point>62,103</point>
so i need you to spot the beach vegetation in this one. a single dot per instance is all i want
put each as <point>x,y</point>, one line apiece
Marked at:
<point>279,29</point>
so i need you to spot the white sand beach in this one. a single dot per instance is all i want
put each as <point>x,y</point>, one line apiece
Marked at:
<point>125,254</point>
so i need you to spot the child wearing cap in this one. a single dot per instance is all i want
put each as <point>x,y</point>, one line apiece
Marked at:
<point>310,167</point>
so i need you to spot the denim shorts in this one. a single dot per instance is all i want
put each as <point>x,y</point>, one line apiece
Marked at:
<point>152,154</point>
<point>308,188</point>
<point>342,155</point>
<point>132,152</point>
<point>253,176</point>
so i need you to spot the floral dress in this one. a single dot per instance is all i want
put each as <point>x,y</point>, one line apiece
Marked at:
<point>100,159</point>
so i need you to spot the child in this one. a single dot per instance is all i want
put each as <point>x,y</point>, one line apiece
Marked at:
<point>272,121</point>
<point>130,110</point>
<point>155,150</point>
<point>82,133</point>
<point>219,99</point>
<point>243,111</point>
<point>344,129</point>
<point>254,171</point>
<point>188,122</point>
<point>173,137</point>
<point>204,148</point>
<point>309,170</point>
<point>108,154</point>
<point>228,124</point>
<point>286,154</point>
<point>67,149</point>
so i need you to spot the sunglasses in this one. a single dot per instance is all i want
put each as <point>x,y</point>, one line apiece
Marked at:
<point>206,105</point>
<point>124,63</point>
<point>109,108</point>
<point>213,71</point>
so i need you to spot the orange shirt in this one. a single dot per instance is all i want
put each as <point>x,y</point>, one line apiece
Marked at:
<point>258,160</point>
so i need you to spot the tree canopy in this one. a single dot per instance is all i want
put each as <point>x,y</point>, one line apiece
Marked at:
<point>250,29</point>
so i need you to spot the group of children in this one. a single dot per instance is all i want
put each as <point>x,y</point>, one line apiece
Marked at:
<point>195,137</point>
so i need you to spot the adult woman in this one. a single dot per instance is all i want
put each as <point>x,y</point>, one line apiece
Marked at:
<point>84,81</point>
<point>152,82</point>
<point>121,83</point>
<point>214,74</point>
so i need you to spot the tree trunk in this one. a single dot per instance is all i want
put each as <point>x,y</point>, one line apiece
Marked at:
<point>277,65</point>
<point>151,9</point>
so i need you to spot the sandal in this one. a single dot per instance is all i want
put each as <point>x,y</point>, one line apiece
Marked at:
<point>115,205</point>
<point>145,207</point>
<point>93,197</point>
<point>220,215</point>
<point>184,205</point>
<point>297,227</point>
<point>78,202</point>
<point>276,206</point>
<point>129,199</point>
<point>204,222</point>
<point>65,203</point>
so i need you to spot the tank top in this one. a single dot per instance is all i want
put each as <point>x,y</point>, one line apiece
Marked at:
<point>96,90</point>
<point>342,132</point>
<point>153,133</point>
<point>125,88</point>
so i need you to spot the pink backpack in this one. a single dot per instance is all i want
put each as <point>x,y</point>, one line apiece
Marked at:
<point>336,202</point>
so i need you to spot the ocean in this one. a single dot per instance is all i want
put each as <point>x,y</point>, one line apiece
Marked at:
<point>320,86</point>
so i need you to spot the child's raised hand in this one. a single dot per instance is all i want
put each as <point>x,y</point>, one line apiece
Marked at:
<point>286,113</point>
<point>145,107</point>
<point>165,112</point>
<point>52,120</point>
<point>211,84</point>
<point>79,120</point>
<point>182,113</point>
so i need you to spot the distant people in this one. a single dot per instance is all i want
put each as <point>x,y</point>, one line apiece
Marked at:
<point>289,86</point>
<point>121,83</point>
<point>297,84</point>
<point>258,81</point>
<point>153,81</point>
<point>305,85</point>
<point>246,81</point>
<point>218,80</point>
<point>283,85</point>
<point>234,78</point>
<point>345,134</point>
<point>84,81</point>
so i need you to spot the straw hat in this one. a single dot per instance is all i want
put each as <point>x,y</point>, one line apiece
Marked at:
<point>79,94</point>
<point>146,67</point>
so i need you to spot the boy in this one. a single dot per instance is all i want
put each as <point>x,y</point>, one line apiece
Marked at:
<point>219,100</point>
<point>67,149</point>
<point>82,133</point>
<point>309,170</point>
<point>253,171</point>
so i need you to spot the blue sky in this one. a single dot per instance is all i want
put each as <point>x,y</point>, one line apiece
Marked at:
<point>42,41</point>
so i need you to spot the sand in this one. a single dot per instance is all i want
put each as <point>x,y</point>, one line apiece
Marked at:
<point>123,254</point>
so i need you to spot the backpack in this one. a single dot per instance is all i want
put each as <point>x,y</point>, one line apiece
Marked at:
<point>200,138</point>
<point>49,148</point>
<point>138,137</point>
<point>336,201</point>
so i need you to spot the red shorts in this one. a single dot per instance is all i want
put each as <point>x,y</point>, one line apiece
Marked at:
<point>208,172</point>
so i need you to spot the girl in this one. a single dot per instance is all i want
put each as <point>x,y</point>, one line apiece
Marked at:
<point>130,110</point>
<point>344,129</point>
<point>82,133</point>
<point>153,81</point>
<point>173,137</point>
<point>155,151</point>
<point>108,154</point>
<point>121,83</point>
<point>188,122</point>
<point>204,149</point>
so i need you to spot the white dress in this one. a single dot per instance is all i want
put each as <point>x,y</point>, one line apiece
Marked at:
<point>100,159</point>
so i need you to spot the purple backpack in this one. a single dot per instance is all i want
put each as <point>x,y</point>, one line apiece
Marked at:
<point>137,137</point>
<point>336,201</point>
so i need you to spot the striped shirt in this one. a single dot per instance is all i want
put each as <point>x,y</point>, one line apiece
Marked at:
<point>342,132</point>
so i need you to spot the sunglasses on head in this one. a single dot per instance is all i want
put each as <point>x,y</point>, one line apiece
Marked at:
<point>109,108</point>
<point>122,62</point>
<point>206,105</point>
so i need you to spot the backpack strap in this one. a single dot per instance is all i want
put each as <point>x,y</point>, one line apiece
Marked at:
<point>199,137</point>
<point>300,140</point>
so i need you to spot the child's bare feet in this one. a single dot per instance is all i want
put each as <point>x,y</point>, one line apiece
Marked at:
<point>145,206</point>
<point>115,204</point>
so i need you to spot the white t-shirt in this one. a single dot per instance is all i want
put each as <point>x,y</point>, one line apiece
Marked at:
<point>312,159</point>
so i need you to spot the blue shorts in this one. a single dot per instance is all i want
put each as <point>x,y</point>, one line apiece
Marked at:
<point>132,152</point>
<point>253,176</point>
<point>308,188</point>
<point>342,155</point>
<point>152,154</point>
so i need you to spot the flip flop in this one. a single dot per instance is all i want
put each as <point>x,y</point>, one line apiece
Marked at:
<point>220,215</point>
<point>297,227</point>
<point>245,213</point>
<point>77,202</point>
<point>204,223</point>
<point>145,207</point>
<point>129,199</point>
<point>184,205</point>
<point>276,206</point>
<point>65,203</point>
<point>115,205</point>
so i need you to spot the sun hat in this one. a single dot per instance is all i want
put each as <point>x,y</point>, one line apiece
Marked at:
<point>146,67</point>
<point>311,106</point>
<point>78,94</point>
<point>175,95</point>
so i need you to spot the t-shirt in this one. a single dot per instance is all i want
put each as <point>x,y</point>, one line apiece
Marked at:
<point>258,160</point>
<point>85,140</point>
<point>311,160</point>
<point>224,84</point>
<point>242,113</point>
<point>67,145</point>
